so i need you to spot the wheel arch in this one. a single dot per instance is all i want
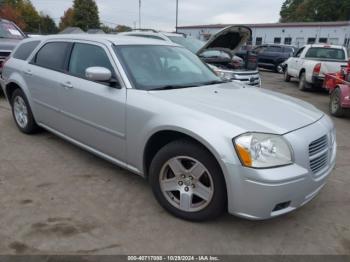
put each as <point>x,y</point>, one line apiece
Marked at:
<point>161,138</point>
<point>301,71</point>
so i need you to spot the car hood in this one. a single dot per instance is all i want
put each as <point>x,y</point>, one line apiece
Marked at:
<point>229,39</point>
<point>8,44</point>
<point>247,108</point>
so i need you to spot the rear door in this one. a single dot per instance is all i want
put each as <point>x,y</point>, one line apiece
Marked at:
<point>43,76</point>
<point>93,112</point>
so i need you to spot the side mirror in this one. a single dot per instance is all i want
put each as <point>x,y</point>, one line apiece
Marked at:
<point>99,74</point>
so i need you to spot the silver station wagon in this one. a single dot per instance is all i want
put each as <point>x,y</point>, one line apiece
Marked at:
<point>154,108</point>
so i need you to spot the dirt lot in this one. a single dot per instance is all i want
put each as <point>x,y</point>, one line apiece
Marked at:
<point>56,198</point>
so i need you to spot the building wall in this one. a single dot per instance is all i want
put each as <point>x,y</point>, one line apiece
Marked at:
<point>339,35</point>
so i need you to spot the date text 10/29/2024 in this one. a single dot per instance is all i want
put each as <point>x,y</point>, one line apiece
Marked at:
<point>173,258</point>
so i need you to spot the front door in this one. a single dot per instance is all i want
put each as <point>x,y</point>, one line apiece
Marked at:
<point>93,112</point>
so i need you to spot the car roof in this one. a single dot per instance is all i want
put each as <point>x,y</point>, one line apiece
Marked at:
<point>103,38</point>
<point>326,45</point>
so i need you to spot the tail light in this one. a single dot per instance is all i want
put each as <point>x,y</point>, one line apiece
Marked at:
<point>317,69</point>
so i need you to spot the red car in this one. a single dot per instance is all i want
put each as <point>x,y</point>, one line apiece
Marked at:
<point>338,85</point>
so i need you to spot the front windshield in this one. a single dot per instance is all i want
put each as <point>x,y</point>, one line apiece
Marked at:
<point>190,43</point>
<point>155,67</point>
<point>8,30</point>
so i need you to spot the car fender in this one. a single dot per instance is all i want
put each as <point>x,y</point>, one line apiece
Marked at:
<point>345,95</point>
<point>17,79</point>
<point>212,138</point>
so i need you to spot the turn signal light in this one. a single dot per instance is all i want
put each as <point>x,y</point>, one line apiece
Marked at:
<point>244,155</point>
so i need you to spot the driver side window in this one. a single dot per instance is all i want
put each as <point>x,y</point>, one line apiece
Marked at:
<point>86,55</point>
<point>298,54</point>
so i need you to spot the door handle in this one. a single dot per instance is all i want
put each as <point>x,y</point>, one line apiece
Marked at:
<point>28,72</point>
<point>67,85</point>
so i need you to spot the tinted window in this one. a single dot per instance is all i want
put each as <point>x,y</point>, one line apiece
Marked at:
<point>274,49</point>
<point>326,53</point>
<point>9,30</point>
<point>85,56</point>
<point>190,43</point>
<point>288,50</point>
<point>298,54</point>
<point>24,50</point>
<point>52,55</point>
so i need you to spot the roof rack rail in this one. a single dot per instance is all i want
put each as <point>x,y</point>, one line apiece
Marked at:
<point>145,30</point>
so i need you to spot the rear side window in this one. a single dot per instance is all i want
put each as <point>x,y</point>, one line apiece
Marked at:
<point>24,50</point>
<point>52,55</point>
<point>288,50</point>
<point>274,49</point>
<point>325,53</point>
<point>84,56</point>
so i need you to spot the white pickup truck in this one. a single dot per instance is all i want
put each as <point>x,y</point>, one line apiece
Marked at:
<point>311,62</point>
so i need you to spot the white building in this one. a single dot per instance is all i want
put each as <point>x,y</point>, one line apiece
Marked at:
<point>297,34</point>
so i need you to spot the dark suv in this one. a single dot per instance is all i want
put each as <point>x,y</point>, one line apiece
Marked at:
<point>10,36</point>
<point>272,56</point>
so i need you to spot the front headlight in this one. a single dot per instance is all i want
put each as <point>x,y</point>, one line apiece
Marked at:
<point>259,150</point>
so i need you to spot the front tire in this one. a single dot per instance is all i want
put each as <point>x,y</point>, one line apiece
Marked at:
<point>22,113</point>
<point>335,103</point>
<point>188,182</point>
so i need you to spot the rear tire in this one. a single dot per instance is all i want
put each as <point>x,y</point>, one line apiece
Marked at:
<point>22,113</point>
<point>303,85</point>
<point>335,104</point>
<point>286,76</point>
<point>196,190</point>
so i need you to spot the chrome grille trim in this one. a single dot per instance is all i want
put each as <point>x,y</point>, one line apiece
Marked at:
<point>318,154</point>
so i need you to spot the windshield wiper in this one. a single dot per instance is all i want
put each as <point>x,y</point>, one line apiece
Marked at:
<point>215,82</point>
<point>170,87</point>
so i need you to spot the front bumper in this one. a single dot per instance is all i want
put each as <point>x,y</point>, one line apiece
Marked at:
<point>258,194</point>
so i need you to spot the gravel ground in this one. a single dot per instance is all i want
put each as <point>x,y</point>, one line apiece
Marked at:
<point>58,199</point>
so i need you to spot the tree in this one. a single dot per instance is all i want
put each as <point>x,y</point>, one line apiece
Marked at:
<point>315,10</point>
<point>66,19</point>
<point>10,13</point>
<point>28,13</point>
<point>86,14</point>
<point>47,25</point>
<point>122,28</point>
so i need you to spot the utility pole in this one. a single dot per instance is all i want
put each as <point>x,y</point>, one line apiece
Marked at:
<point>177,14</point>
<point>139,14</point>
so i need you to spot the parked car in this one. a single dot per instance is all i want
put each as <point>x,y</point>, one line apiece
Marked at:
<point>218,52</point>
<point>312,62</point>
<point>338,85</point>
<point>154,108</point>
<point>10,36</point>
<point>272,56</point>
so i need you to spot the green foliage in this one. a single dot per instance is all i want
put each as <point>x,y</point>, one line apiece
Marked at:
<point>33,22</point>
<point>315,10</point>
<point>67,19</point>
<point>122,28</point>
<point>86,14</point>
<point>47,25</point>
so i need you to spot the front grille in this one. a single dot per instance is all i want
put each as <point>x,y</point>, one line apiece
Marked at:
<point>4,54</point>
<point>318,154</point>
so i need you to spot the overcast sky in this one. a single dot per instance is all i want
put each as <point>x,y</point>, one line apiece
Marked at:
<point>160,14</point>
